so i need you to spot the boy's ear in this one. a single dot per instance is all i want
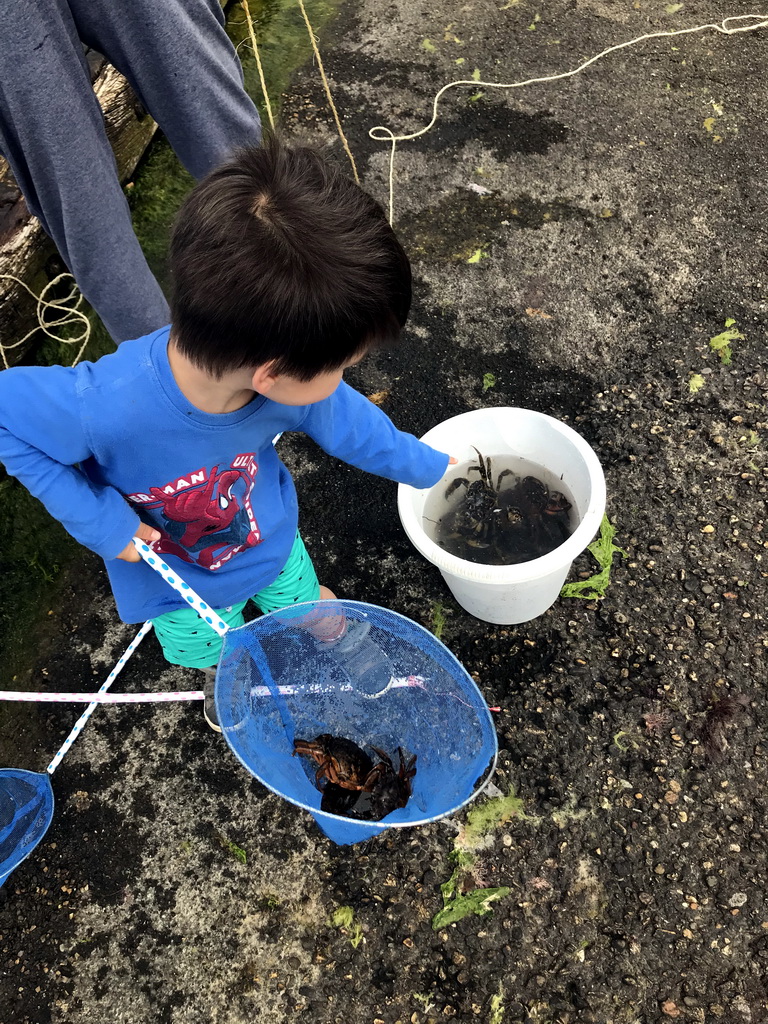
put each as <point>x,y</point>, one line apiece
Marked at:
<point>264,378</point>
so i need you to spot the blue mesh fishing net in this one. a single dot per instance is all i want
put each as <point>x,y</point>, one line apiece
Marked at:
<point>388,685</point>
<point>26,809</point>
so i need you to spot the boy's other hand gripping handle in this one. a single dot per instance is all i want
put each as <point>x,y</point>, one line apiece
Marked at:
<point>172,578</point>
<point>144,532</point>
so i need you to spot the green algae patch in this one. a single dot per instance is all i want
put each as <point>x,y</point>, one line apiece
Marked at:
<point>496,1007</point>
<point>343,918</point>
<point>459,898</point>
<point>158,190</point>
<point>602,550</point>
<point>438,617</point>
<point>283,42</point>
<point>476,902</point>
<point>721,343</point>
<point>459,901</point>
<point>232,848</point>
<point>484,818</point>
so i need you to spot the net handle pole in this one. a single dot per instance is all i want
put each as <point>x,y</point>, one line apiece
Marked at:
<point>56,761</point>
<point>172,578</point>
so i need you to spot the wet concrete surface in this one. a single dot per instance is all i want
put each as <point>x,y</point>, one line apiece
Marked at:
<point>624,223</point>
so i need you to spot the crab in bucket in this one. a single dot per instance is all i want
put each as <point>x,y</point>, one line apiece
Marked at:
<point>499,525</point>
<point>482,495</point>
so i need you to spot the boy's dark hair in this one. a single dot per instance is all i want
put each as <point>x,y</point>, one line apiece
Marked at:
<point>278,256</point>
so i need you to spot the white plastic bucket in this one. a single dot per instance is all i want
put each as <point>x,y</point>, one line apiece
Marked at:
<point>508,594</point>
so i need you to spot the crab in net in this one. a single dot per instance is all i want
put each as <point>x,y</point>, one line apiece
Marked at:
<point>351,784</point>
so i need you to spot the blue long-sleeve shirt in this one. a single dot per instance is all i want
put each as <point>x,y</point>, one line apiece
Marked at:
<point>108,443</point>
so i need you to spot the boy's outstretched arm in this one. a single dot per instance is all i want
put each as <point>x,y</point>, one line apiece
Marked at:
<point>353,429</point>
<point>41,441</point>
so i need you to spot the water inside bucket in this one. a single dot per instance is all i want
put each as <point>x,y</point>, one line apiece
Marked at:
<point>515,511</point>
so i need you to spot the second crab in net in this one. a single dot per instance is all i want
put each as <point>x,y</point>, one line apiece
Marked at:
<point>504,516</point>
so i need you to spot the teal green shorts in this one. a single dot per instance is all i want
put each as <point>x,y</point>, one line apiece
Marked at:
<point>187,640</point>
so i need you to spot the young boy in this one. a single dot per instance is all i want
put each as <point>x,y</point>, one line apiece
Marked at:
<point>285,273</point>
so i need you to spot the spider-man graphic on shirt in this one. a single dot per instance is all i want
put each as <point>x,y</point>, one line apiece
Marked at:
<point>205,517</point>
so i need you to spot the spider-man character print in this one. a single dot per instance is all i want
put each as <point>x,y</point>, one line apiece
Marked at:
<point>206,517</point>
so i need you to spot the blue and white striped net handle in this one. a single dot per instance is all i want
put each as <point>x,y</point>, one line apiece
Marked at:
<point>91,707</point>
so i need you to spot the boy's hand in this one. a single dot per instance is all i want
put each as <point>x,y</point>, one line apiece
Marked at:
<point>145,533</point>
<point>452,461</point>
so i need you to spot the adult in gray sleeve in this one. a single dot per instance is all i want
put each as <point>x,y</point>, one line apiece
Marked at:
<point>180,62</point>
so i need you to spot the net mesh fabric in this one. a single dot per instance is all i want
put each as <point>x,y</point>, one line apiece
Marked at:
<point>26,809</point>
<point>277,683</point>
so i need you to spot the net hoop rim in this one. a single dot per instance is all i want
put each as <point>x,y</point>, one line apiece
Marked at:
<point>376,826</point>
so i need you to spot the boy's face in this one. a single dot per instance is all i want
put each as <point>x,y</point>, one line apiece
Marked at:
<point>286,390</point>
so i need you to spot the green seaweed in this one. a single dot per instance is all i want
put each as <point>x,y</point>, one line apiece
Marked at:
<point>237,851</point>
<point>158,190</point>
<point>476,902</point>
<point>283,42</point>
<point>484,818</point>
<point>603,550</point>
<point>481,821</point>
<point>497,1008</point>
<point>721,343</point>
<point>438,619</point>
<point>344,919</point>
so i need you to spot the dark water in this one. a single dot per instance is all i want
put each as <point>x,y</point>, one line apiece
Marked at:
<point>512,511</point>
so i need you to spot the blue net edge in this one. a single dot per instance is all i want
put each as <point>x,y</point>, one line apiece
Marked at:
<point>363,608</point>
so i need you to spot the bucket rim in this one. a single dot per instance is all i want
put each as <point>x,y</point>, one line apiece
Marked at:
<point>550,564</point>
<point>375,827</point>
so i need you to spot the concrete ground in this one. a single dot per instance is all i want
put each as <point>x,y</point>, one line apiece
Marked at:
<point>581,241</point>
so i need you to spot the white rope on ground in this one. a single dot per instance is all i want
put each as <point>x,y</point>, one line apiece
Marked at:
<point>380,133</point>
<point>73,314</point>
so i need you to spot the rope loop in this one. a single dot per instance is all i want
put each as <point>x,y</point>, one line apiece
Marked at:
<point>68,305</point>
